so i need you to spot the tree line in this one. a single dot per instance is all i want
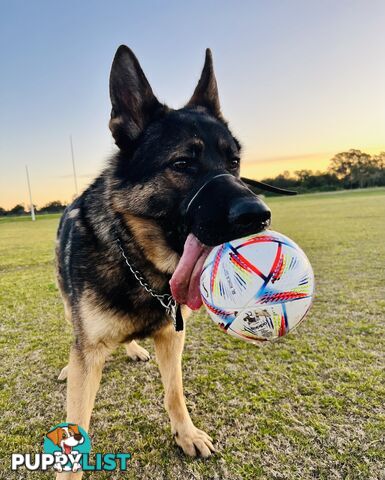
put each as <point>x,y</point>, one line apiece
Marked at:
<point>51,207</point>
<point>347,170</point>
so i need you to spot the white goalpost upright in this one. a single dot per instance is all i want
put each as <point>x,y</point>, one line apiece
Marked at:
<point>30,196</point>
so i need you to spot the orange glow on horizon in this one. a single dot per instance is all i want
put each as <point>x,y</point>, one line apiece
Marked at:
<point>273,166</point>
<point>62,188</point>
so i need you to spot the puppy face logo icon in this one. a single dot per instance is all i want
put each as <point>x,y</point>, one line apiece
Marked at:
<point>69,440</point>
<point>66,437</point>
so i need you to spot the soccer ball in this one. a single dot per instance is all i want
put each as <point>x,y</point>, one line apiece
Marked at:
<point>259,287</point>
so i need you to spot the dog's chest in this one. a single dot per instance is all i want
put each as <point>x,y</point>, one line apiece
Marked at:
<point>111,327</point>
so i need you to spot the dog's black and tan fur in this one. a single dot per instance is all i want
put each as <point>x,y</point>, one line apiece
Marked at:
<point>163,155</point>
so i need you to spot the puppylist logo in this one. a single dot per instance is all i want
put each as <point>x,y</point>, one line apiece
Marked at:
<point>67,448</point>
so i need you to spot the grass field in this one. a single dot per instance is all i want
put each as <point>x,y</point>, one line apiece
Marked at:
<point>309,407</point>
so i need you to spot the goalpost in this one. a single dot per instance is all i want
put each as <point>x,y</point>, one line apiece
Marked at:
<point>30,196</point>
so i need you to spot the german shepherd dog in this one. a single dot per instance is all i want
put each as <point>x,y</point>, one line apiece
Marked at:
<point>172,191</point>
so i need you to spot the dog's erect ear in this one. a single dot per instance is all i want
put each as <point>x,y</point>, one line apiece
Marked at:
<point>206,92</point>
<point>134,104</point>
<point>56,436</point>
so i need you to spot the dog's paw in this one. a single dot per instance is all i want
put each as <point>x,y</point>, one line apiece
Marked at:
<point>194,442</point>
<point>63,374</point>
<point>136,352</point>
<point>58,467</point>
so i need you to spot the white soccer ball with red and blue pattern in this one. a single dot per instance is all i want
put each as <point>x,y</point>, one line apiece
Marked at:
<point>259,287</point>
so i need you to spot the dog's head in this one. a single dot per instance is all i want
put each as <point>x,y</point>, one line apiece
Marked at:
<point>179,168</point>
<point>66,437</point>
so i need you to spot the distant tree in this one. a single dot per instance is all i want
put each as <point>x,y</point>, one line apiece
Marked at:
<point>53,207</point>
<point>325,181</point>
<point>378,177</point>
<point>308,180</point>
<point>17,210</point>
<point>304,175</point>
<point>379,160</point>
<point>284,180</point>
<point>354,168</point>
<point>3,212</point>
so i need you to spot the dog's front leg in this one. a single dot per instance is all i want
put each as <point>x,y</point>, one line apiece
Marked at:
<point>84,374</point>
<point>168,350</point>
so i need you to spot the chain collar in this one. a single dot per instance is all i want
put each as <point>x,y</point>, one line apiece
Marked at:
<point>166,300</point>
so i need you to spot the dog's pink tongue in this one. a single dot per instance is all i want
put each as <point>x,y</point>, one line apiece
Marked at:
<point>185,281</point>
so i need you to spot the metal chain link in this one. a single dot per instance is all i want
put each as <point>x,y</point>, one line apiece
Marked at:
<point>166,300</point>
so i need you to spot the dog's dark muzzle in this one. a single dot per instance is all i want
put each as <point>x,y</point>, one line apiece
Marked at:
<point>223,208</point>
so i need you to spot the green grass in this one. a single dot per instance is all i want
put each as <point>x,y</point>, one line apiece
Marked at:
<point>309,407</point>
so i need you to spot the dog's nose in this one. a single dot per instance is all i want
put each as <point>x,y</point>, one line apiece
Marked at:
<point>78,436</point>
<point>249,211</point>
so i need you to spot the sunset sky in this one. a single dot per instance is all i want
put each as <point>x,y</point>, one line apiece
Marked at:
<point>299,80</point>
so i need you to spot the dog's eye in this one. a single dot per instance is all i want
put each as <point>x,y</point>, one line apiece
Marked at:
<point>234,163</point>
<point>183,164</point>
